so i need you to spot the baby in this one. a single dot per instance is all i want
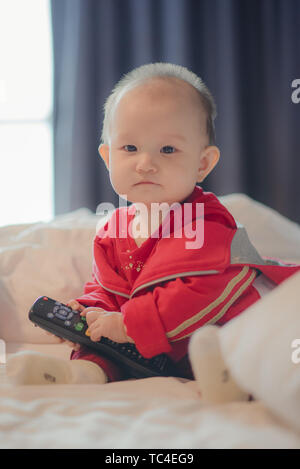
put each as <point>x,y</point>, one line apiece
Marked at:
<point>150,289</point>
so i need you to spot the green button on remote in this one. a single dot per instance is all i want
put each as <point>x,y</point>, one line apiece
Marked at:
<point>79,326</point>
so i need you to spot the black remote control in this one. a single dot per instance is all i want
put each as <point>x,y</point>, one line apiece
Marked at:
<point>62,321</point>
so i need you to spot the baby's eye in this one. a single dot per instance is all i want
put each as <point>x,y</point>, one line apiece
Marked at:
<point>168,147</point>
<point>129,146</point>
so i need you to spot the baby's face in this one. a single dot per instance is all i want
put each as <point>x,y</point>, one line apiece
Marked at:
<point>158,134</point>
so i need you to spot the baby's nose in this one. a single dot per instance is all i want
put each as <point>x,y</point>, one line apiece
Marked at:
<point>146,162</point>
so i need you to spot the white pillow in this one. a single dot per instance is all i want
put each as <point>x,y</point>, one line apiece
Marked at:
<point>53,259</point>
<point>272,234</point>
<point>262,350</point>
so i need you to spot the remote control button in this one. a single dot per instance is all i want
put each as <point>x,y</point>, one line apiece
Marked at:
<point>50,315</point>
<point>79,326</point>
<point>87,332</point>
<point>67,323</point>
<point>63,314</point>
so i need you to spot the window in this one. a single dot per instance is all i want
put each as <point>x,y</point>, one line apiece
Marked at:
<point>26,93</point>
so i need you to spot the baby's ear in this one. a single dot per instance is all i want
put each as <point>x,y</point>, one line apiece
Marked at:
<point>208,160</point>
<point>104,153</point>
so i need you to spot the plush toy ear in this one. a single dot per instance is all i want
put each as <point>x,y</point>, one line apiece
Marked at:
<point>214,381</point>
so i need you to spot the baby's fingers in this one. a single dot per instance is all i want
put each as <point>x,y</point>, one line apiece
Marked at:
<point>92,316</point>
<point>91,308</point>
<point>75,305</point>
<point>96,334</point>
<point>52,335</point>
<point>72,345</point>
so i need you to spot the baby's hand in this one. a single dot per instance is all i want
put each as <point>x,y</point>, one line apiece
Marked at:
<point>107,324</point>
<point>75,305</point>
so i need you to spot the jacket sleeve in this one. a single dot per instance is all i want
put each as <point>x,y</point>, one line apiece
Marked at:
<point>173,311</point>
<point>95,295</point>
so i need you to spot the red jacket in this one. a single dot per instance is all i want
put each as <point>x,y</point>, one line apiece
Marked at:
<point>165,290</point>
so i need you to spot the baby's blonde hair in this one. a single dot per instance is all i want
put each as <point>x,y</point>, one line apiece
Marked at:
<point>153,70</point>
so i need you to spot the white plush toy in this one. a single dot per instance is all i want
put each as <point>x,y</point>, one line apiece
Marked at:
<point>213,377</point>
<point>255,354</point>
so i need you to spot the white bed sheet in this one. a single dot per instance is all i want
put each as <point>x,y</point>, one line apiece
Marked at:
<point>146,413</point>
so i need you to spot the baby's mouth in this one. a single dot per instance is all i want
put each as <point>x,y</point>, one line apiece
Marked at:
<point>145,182</point>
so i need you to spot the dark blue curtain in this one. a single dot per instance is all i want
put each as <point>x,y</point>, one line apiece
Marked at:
<point>247,52</point>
